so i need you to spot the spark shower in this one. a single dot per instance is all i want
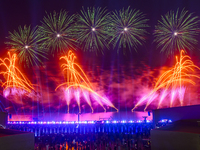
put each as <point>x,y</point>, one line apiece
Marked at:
<point>77,83</point>
<point>172,82</point>
<point>97,30</point>
<point>170,86</point>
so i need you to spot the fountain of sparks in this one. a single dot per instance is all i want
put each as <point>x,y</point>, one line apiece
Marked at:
<point>78,84</point>
<point>15,82</point>
<point>172,82</point>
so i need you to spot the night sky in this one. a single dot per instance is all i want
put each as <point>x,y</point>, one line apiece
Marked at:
<point>122,78</point>
<point>15,13</point>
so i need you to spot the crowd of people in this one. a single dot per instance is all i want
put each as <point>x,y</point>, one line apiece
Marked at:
<point>93,141</point>
<point>90,136</point>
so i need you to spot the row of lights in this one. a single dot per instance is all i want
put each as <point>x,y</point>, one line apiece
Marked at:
<point>74,122</point>
<point>165,121</point>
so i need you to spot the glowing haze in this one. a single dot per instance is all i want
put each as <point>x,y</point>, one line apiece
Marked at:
<point>172,82</point>
<point>78,83</point>
<point>99,88</point>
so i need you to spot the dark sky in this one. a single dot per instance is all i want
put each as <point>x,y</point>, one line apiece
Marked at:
<point>25,12</point>
<point>117,69</point>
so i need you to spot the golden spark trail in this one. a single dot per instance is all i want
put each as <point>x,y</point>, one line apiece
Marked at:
<point>13,76</point>
<point>77,79</point>
<point>173,81</point>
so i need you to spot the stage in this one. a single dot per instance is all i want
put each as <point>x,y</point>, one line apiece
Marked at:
<point>57,117</point>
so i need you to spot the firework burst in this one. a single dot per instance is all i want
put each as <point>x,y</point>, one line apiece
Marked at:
<point>78,83</point>
<point>26,44</point>
<point>127,28</point>
<point>57,32</point>
<point>172,82</point>
<point>176,30</point>
<point>91,29</point>
<point>16,83</point>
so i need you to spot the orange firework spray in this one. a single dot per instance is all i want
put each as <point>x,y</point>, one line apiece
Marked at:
<point>173,81</point>
<point>78,81</point>
<point>15,80</point>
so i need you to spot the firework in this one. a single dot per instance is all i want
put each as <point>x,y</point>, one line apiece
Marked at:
<point>127,28</point>
<point>78,83</point>
<point>173,82</point>
<point>26,44</point>
<point>57,32</point>
<point>176,30</point>
<point>91,29</point>
<point>16,82</point>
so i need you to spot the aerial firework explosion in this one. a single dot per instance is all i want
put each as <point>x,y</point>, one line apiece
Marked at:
<point>26,43</point>
<point>77,83</point>
<point>172,82</point>
<point>177,30</point>
<point>127,28</point>
<point>96,29</point>
<point>56,32</point>
<point>91,29</point>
